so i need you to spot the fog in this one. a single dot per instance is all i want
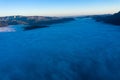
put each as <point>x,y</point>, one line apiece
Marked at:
<point>78,50</point>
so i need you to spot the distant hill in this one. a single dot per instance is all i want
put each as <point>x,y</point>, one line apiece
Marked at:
<point>31,20</point>
<point>111,19</point>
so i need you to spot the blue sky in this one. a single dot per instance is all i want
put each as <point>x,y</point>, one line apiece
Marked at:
<point>58,7</point>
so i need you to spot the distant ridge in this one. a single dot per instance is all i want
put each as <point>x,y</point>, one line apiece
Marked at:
<point>31,20</point>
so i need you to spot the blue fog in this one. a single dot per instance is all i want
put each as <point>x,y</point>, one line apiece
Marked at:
<point>77,50</point>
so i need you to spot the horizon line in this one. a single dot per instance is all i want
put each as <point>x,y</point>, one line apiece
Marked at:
<point>59,15</point>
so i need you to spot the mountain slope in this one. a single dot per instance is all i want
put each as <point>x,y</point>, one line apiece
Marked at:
<point>111,19</point>
<point>31,20</point>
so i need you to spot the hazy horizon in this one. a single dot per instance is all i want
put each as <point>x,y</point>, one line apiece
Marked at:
<point>58,7</point>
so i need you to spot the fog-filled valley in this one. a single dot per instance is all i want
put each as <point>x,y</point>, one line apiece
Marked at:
<point>82,49</point>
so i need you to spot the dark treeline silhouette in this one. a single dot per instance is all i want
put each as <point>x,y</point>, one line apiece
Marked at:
<point>33,27</point>
<point>111,19</point>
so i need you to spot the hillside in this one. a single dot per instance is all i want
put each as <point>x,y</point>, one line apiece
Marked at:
<point>31,20</point>
<point>111,19</point>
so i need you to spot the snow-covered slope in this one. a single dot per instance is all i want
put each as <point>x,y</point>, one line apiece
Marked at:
<point>7,29</point>
<point>78,50</point>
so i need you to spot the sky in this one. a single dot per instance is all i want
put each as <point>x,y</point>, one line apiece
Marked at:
<point>58,7</point>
